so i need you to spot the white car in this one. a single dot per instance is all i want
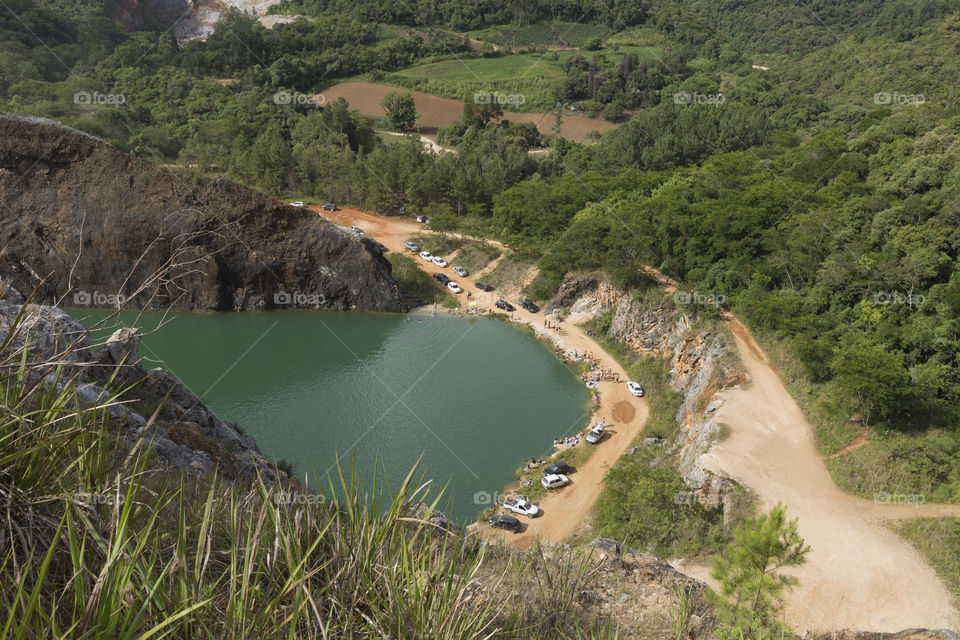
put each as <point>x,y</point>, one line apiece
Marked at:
<point>357,230</point>
<point>460,271</point>
<point>635,388</point>
<point>453,286</point>
<point>595,434</point>
<point>523,506</point>
<point>440,262</point>
<point>426,256</point>
<point>298,203</point>
<point>554,481</point>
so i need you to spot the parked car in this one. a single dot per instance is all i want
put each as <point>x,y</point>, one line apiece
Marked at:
<point>635,388</point>
<point>460,271</point>
<point>529,306</point>
<point>503,304</point>
<point>441,278</point>
<point>379,246</point>
<point>330,207</point>
<point>595,434</point>
<point>426,256</point>
<point>483,286</point>
<point>357,230</point>
<point>523,506</point>
<point>453,286</point>
<point>440,262</point>
<point>423,219</point>
<point>413,246</point>
<point>505,522</point>
<point>298,203</point>
<point>554,481</point>
<point>557,467</point>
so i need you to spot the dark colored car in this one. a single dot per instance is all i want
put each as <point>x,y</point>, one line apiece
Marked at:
<point>483,286</point>
<point>529,306</point>
<point>442,278</point>
<point>557,468</point>
<point>379,246</point>
<point>503,304</point>
<point>505,522</point>
<point>330,207</point>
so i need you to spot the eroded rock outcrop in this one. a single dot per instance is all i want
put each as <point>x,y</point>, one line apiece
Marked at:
<point>656,327</point>
<point>185,433</point>
<point>85,224</point>
<point>697,373</point>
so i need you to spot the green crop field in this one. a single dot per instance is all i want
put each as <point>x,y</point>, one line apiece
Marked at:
<point>548,34</point>
<point>517,67</point>
<point>529,74</point>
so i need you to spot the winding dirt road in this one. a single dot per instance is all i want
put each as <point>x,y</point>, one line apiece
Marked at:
<point>859,574</point>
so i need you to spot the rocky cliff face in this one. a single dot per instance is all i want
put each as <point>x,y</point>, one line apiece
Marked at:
<point>660,329</point>
<point>83,222</point>
<point>184,434</point>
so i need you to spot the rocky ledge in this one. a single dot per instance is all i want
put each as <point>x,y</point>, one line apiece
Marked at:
<point>85,224</point>
<point>184,433</point>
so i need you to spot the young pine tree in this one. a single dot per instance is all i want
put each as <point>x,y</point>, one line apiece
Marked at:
<point>749,571</point>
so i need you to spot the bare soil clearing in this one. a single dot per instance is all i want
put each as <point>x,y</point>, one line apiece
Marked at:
<point>439,112</point>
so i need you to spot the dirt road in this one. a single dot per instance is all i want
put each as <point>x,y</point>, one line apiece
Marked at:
<point>859,574</point>
<point>563,509</point>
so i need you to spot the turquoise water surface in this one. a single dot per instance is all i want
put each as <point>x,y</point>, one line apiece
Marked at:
<point>474,397</point>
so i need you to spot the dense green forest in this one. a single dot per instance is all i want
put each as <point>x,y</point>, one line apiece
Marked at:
<point>816,187</point>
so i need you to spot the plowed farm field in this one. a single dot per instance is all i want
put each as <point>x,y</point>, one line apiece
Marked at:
<point>439,112</point>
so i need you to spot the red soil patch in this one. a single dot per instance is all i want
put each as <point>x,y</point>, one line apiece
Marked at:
<point>439,112</point>
<point>857,442</point>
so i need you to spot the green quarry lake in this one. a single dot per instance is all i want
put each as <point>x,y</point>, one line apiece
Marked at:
<point>474,397</point>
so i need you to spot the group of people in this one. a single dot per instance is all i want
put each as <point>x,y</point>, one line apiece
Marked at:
<point>597,375</point>
<point>471,311</point>
<point>574,440</point>
<point>533,463</point>
<point>553,326</point>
